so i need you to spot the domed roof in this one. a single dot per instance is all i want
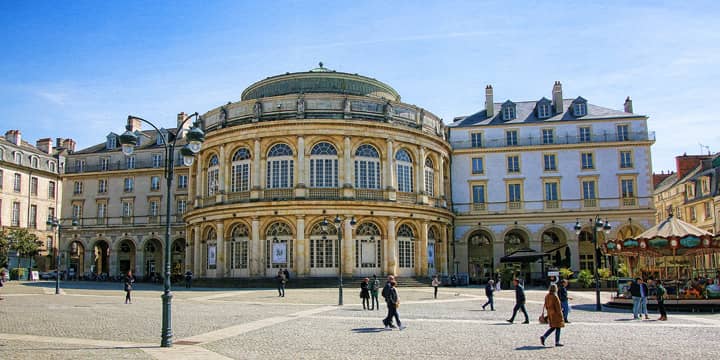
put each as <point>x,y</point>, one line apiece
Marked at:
<point>320,80</point>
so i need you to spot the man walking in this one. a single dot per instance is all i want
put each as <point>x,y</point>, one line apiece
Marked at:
<point>564,299</point>
<point>389,301</point>
<point>281,283</point>
<point>489,290</point>
<point>519,302</point>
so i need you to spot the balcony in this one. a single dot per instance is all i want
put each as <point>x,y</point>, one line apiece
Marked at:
<point>236,197</point>
<point>278,194</point>
<point>629,202</point>
<point>407,197</point>
<point>501,142</point>
<point>322,193</point>
<point>124,221</point>
<point>552,206</point>
<point>117,166</point>
<point>590,203</point>
<point>515,205</point>
<point>369,194</point>
<point>479,207</point>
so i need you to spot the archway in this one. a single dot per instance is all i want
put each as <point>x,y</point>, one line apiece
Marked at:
<point>153,255</point>
<point>101,257</point>
<point>126,256</point>
<point>554,242</point>
<point>368,249</point>
<point>76,259</point>
<point>588,250</point>
<point>514,240</point>
<point>406,250</point>
<point>177,257</point>
<point>323,251</point>
<point>278,248</point>
<point>480,256</point>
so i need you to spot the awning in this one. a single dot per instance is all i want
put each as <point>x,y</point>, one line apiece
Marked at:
<point>524,255</point>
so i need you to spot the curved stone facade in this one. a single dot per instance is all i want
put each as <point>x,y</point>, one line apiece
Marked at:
<point>273,167</point>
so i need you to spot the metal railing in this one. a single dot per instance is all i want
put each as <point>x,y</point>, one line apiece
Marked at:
<point>95,222</point>
<point>501,142</point>
<point>119,165</point>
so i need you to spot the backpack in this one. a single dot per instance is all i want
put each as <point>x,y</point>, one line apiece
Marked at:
<point>386,291</point>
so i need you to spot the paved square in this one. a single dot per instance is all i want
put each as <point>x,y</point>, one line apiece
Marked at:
<point>91,321</point>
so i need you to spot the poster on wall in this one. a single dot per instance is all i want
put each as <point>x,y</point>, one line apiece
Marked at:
<point>212,255</point>
<point>279,253</point>
<point>431,254</point>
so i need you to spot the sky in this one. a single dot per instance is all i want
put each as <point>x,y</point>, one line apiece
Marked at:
<point>77,68</point>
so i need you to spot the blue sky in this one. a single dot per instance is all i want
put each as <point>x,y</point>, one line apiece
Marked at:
<point>78,68</point>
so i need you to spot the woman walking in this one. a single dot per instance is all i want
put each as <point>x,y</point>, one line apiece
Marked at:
<point>393,302</point>
<point>554,315</point>
<point>365,293</point>
<point>129,280</point>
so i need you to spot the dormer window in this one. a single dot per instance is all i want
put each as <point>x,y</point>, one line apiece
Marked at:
<point>579,107</point>
<point>163,135</point>
<point>139,138</point>
<point>508,110</point>
<point>18,158</point>
<point>543,108</point>
<point>111,142</point>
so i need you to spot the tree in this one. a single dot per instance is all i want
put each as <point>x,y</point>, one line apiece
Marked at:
<point>4,247</point>
<point>25,243</point>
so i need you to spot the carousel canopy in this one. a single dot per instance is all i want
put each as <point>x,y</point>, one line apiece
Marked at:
<point>673,227</point>
<point>670,237</point>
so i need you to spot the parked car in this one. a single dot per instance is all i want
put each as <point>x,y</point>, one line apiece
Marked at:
<point>48,275</point>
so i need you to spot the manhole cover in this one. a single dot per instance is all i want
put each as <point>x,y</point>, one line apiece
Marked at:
<point>185,342</point>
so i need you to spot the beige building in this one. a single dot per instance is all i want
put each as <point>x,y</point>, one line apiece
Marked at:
<point>30,186</point>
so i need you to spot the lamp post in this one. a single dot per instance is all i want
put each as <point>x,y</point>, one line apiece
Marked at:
<point>56,223</point>
<point>195,138</point>
<point>338,225</point>
<point>597,225</point>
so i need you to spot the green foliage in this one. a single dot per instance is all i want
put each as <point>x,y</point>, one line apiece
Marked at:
<point>25,242</point>
<point>604,273</point>
<point>585,277</point>
<point>623,270</point>
<point>17,273</point>
<point>4,246</point>
<point>566,273</point>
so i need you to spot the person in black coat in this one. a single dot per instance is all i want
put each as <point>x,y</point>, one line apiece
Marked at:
<point>386,294</point>
<point>638,291</point>
<point>489,290</point>
<point>519,302</point>
<point>129,280</point>
<point>365,293</point>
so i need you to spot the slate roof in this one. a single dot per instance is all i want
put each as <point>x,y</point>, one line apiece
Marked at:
<point>149,141</point>
<point>24,146</point>
<point>526,114</point>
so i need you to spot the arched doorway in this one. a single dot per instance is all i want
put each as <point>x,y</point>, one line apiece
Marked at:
<point>101,257</point>
<point>278,248</point>
<point>76,260</point>
<point>406,250</point>
<point>480,256</point>
<point>177,257</point>
<point>515,240</point>
<point>368,249</point>
<point>323,251</point>
<point>239,242</point>
<point>554,242</point>
<point>209,251</point>
<point>152,253</point>
<point>620,265</point>
<point>126,256</point>
<point>432,238</point>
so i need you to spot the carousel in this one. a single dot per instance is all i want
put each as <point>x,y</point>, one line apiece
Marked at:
<point>683,257</point>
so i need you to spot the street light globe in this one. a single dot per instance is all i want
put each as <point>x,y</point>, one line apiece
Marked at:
<point>128,140</point>
<point>195,138</point>
<point>188,156</point>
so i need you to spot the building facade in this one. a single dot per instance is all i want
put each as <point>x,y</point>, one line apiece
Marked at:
<point>524,173</point>
<point>30,187</point>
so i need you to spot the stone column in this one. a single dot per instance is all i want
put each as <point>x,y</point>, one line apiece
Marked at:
<point>88,260</point>
<point>197,251</point>
<point>421,268</point>
<point>198,178</point>
<point>347,250</point>
<point>420,155</point>
<point>220,255</point>
<point>574,246</point>
<point>389,173</point>
<point>300,246</point>
<point>255,255</point>
<point>222,178</point>
<point>391,248</point>
<point>256,166</point>
<point>445,256</point>
<point>441,178</point>
<point>302,179</point>
<point>347,165</point>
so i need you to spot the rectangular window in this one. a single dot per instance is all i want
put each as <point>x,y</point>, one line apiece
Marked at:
<point>128,184</point>
<point>693,215</point>
<point>514,194</point>
<point>181,206</point>
<point>628,188</point>
<point>543,111</point>
<point>551,191</point>
<point>51,190</point>
<point>587,161</point>
<point>77,187</point>
<point>584,134</point>
<point>49,244</point>
<point>513,164</point>
<point>511,138</point>
<point>477,166</point>
<point>548,136</point>
<point>130,162</point>
<point>51,213</point>
<point>182,182</point>
<point>101,212</point>
<point>476,140</point>
<point>32,217</point>
<point>623,133</point>
<point>104,164</point>
<point>549,162</point>
<point>478,194</point>
<point>33,186</point>
<point>102,186</point>
<point>15,221</point>
<point>154,183</point>
<point>77,211</point>
<point>154,208</point>
<point>588,189</point>
<point>708,210</point>
<point>17,183</point>
<point>79,165</point>
<point>156,160</point>
<point>626,161</point>
<point>127,209</point>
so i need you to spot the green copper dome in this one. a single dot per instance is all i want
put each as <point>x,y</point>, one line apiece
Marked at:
<point>320,80</point>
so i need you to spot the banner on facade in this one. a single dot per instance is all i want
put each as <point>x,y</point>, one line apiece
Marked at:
<point>279,253</point>
<point>368,252</point>
<point>431,253</point>
<point>212,255</point>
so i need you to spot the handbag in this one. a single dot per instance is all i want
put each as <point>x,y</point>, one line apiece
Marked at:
<point>543,319</point>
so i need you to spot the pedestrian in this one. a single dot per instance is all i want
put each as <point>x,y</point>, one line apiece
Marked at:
<point>2,280</point>
<point>489,290</point>
<point>281,283</point>
<point>386,294</point>
<point>497,284</point>
<point>286,272</point>
<point>638,291</point>
<point>519,302</point>
<point>660,293</point>
<point>365,293</point>
<point>435,284</point>
<point>644,293</point>
<point>554,315</point>
<point>129,280</point>
<point>564,299</point>
<point>374,286</point>
<point>393,303</point>
<point>188,279</point>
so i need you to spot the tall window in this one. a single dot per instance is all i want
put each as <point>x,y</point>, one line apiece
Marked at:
<point>15,220</point>
<point>508,111</point>
<point>404,171</point>
<point>429,177</point>
<point>102,186</point>
<point>51,189</point>
<point>239,247</point>
<point>514,193</point>
<point>476,140</point>
<point>367,167</point>
<point>240,171</point>
<point>279,247</point>
<point>77,211</point>
<point>101,212</point>
<point>548,136</point>
<point>33,186</point>
<point>323,166</point>
<point>580,109</point>
<point>584,134</point>
<point>626,161</point>
<point>182,182</point>
<point>628,188</point>
<point>51,166</point>
<point>156,160</point>
<point>35,162</point>
<point>623,133</point>
<point>406,247</point>
<point>511,138</point>
<point>17,183</point>
<point>587,161</point>
<point>154,208</point>
<point>213,176</point>
<point>154,183</point>
<point>588,189</point>
<point>32,217</point>
<point>181,206</point>
<point>551,191</point>
<point>477,166</point>
<point>18,158</point>
<point>549,162</point>
<point>513,164</point>
<point>478,194</point>
<point>104,164</point>
<point>130,162</point>
<point>323,247</point>
<point>128,184</point>
<point>127,209</point>
<point>77,187</point>
<point>543,110</point>
<point>280,166</point>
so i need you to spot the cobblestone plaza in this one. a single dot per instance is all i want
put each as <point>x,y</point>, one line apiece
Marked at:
<point>90,321</point>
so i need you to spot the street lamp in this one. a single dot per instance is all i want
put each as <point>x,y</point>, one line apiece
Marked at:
<point>597,225</point>
<point>194,138</point>
<point>338,225</point>
<point>56,223</point>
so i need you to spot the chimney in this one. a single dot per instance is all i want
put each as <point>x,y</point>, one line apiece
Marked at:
<point>182,131</point>
<point>13,136</point>
<point>44,145</point>
<point>686,163</point>
<point>628,105</point>
<point>557,98</point>
<point>134,124</point>
<point>69,145</point>
<point>489,104</point>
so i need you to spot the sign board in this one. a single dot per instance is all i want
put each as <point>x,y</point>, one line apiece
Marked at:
<point>554,273</point>
<point>34,276</point>
<point>279,253</point>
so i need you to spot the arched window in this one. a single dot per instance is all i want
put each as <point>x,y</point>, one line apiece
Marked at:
<point>279,246</point>
<point>18,158</point>
<point>2,153</point>
<point>35,162</point>
<point>280,167</point>
<point>404,171</point>
<point>240,171</point>
<point>213,175</point>
<point>211,248</point>
<point>429,177</point>
<point>368,246</point>
<point>323,247</point>
<point>323,166</point>
<point>406,247</point>
<point>367,167</point>
<point>239,246</point>
<point>432,238</point>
